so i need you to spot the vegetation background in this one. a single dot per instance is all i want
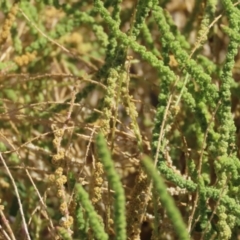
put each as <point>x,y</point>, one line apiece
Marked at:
<point>119,119</point>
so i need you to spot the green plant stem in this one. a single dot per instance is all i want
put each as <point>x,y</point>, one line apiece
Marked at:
<point>166,200</point>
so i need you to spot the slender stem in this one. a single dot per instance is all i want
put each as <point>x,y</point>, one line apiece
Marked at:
<point>18,197</point>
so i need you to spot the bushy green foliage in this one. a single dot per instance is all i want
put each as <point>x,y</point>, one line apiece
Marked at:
<point>89,89</point>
